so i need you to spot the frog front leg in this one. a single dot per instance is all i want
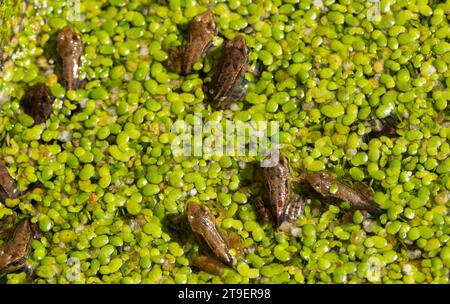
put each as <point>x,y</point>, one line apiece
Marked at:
<point>238,93</point>
<point>262,211</point>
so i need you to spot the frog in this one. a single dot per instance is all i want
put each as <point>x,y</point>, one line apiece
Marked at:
<point>8,186</point>
<point>359,196</point>
<point>229,86</point>
<point>69,47</point>
<point>203,224</point>
<point>202,31</point>
<point>37,103</point>
<point>279,205</point>
<point>14,252</point>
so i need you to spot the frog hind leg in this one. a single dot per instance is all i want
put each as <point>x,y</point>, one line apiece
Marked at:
<point>347,218</point>
<point>262,212</point>
<point>175,59</point>
<point>225,102</point>
<point>363,190</point>
<point>209,264</point>
<point>257,69</point>
<point>30,273</point>
<point>240,90</point>
<point>37,233</point>
<point>235,242</point>
<point>3,195</point>
<point>294,209</point>
<point>7,224</point>
<point>237,94</point>
<point>367,196</point>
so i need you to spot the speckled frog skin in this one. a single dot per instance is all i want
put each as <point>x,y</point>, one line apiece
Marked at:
<point>14,253</point>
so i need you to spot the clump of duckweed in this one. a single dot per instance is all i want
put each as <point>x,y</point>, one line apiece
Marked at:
<point>99,176</point>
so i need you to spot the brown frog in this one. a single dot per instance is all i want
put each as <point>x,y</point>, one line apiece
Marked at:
<point>360,197</point>
<point>228,88</point>
<point>14,253</point>
<point>203,29</point>
<point>69,47</point>
<point>203,224</point>
<point>38,103</point>
<point>279,205</point>
<point>8,187</point>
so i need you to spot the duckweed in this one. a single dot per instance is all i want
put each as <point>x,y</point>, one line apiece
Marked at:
<point>101,180</point>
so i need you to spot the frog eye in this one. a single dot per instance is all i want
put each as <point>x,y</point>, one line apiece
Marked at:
<point>19,262</point>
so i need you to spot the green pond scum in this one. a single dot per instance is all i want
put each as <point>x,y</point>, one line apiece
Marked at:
<point>101,186</point>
